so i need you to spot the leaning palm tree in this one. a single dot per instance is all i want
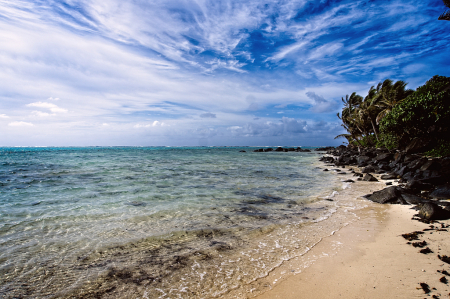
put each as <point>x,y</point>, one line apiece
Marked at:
<point>445,15</point>
<point>368,110</point>
<point>349,117</point>
<point>389,95</point>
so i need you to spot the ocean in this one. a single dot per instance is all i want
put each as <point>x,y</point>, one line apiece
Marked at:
<point>157,222</point>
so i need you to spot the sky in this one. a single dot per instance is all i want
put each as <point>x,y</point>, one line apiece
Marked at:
<point>204,72</point>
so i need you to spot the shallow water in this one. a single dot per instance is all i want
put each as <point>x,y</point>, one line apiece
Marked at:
<point>155,222</point>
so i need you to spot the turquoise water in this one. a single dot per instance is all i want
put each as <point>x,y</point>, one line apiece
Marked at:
<point>152,222</point>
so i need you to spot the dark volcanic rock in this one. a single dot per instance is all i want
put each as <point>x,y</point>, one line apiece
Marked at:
<point>430,165</point>
<point>413,199</point>
<point>363,160</point>
<point>268,149</point>
<point>370,178</point>
<point>431,211</point>
<point>441,192</point>
<point>384,157</point>
<point>403,170</point>
<point>390,176</point>
<point>387,195</point>
<point>434,180</point>
<point>279,149</point>
<point>417,184</point>
<point>327,159</point>
<point>369,169</point>
<point>417,163</point>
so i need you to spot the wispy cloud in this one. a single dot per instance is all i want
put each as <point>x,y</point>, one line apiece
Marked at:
<point>160,66</point>
<point>20,124</point>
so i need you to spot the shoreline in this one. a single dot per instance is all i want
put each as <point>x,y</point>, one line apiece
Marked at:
<point>368,258</point>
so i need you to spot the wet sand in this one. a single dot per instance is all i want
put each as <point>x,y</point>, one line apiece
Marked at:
<point>368,258</point>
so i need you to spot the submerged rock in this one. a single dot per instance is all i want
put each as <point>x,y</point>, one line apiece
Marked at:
<point>136,203</point>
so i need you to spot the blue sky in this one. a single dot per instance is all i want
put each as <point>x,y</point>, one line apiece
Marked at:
<point>164,72</point>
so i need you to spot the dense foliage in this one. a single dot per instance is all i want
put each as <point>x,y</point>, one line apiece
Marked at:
<point>401,116</point>
<point>425,114</point>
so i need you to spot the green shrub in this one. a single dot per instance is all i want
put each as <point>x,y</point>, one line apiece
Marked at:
<point>424,114</point>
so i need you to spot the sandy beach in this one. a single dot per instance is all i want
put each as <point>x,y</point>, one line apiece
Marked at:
<point>368,258</point>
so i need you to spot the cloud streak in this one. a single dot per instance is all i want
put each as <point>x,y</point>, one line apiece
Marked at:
<point>171,72</point>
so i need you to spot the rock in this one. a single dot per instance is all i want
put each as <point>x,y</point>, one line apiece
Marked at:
<point>242,151</point>
<point>408,176</point>
<point>384,157</point>
<point>398,157</point>
<point>417,163</point>
<point>363,160</point>
<point>402,171</point>
<point>441,192</point>
<point>358,174</point>
<point>325,169</point>
<point>291,149</point>
<point>431,211</point>
<point>279,149</point>
<point>268,149</point>
<point>327,159</point>
<point>412,199</point>
<point>416,184</point>
<point>370,178</point>
<point>369,169</point>
<point>384,166</point>
<point>431,165</point>
<point>409,158</point>
<point>434,180</point>
<point>389,184</point>
<point>136,203</point>
<point>390,176</point>
<point>348,181</point>
<point>387,195</point>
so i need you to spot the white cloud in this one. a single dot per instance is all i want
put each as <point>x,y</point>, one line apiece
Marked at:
<point>20,124</point>
<point>4,116</point>
<point>52,107</point>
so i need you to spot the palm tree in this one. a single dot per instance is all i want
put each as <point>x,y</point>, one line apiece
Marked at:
<point>445,15</point>
<point>389,95</point>
<point>368,110</point>
<point>349,117</point>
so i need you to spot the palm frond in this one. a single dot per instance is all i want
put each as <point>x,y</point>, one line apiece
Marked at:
<point>447,3</point>
<point>346,136</point>
<point>445,16</point>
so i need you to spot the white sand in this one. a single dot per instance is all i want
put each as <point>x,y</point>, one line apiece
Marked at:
<point>368,258</point>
